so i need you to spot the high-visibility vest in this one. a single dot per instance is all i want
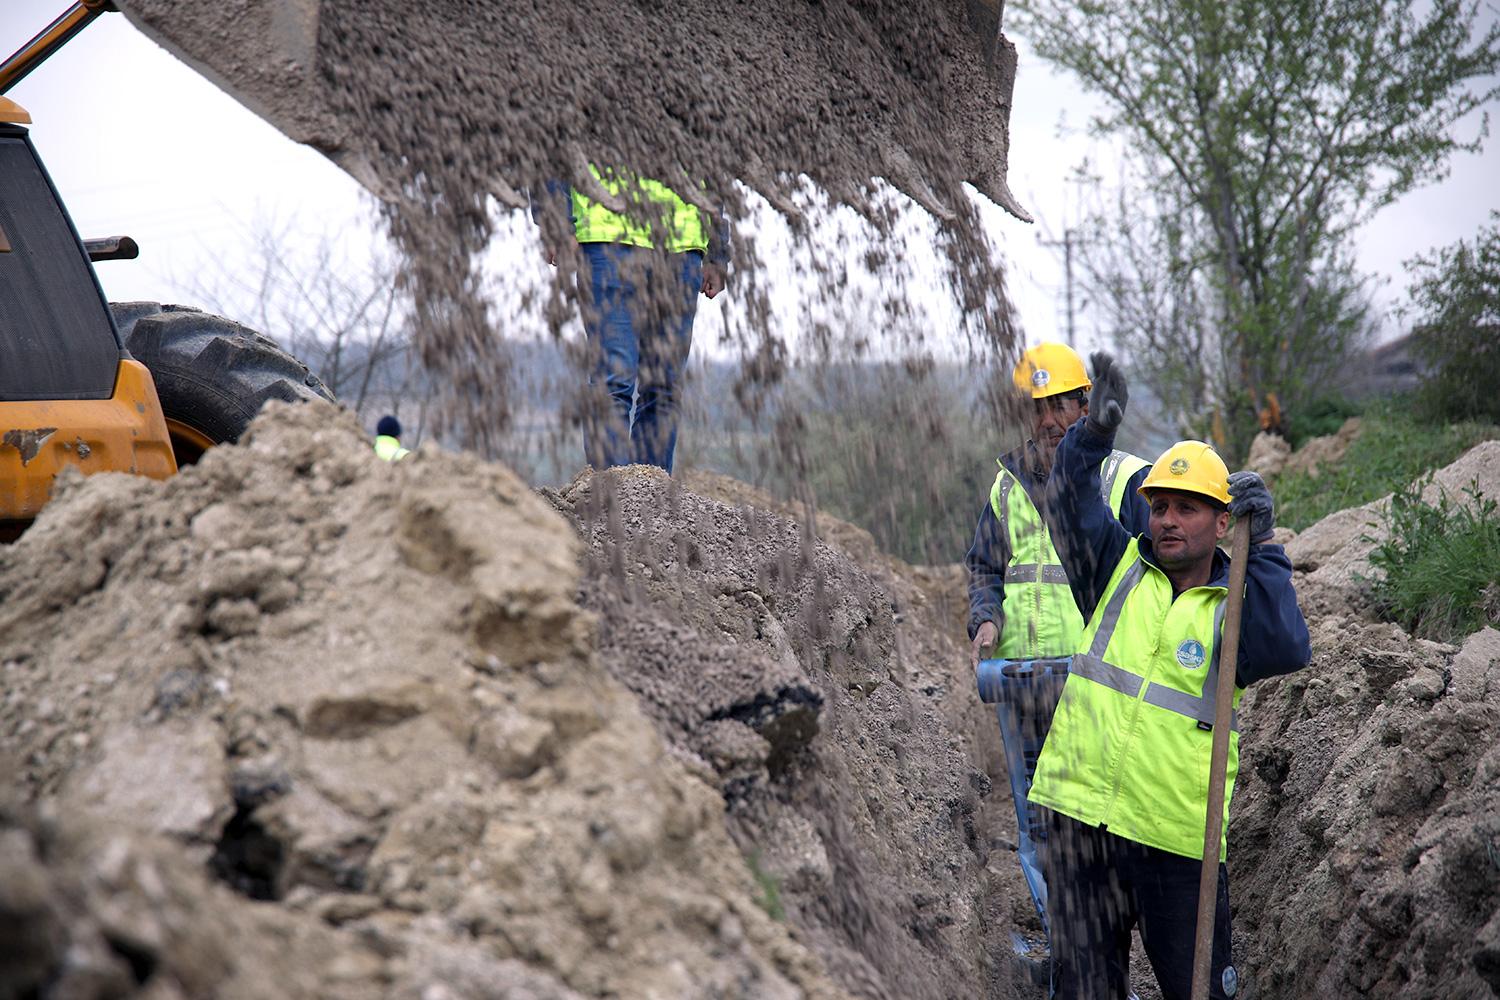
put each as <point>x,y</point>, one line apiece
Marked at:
<point>389,448</point>
<point>685,227</point>
<point>1130,742</point>
<point>1041,617</point>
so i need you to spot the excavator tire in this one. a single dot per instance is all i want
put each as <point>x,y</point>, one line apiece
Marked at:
<point>212,375</point>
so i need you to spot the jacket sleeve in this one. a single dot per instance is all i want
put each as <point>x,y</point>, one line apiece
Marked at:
<point>1273,634</point>
<point>1087,536</point>
<point>718,239</point>
<point>986,561</point>
<point>552,211</point>
<point>1135,512</point>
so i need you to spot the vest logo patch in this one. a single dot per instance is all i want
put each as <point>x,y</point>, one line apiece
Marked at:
<point>1179,467</point>
<point>1191,654</point>
<point>1040,377</point>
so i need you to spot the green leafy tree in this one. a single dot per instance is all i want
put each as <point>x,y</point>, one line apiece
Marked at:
<point>1458,291</point>
<point>1264,134</point>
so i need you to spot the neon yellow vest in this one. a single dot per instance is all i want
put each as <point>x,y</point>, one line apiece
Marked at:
<point>389,448</point>
<point>1041,617</point>
<point>1129,745</point>
<point>684,224</point>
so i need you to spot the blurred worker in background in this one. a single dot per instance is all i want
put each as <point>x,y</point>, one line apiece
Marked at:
<point>388,439</point>
<point>645,269</point>
<point>1018,592</point>
<point>1125,768</point>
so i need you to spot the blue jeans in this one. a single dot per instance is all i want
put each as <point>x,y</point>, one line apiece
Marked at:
<point>639,320</point>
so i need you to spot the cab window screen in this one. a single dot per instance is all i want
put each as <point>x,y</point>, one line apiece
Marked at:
<point>56,341</point>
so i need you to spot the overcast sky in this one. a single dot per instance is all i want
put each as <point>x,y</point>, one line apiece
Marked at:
<point>140,145</point>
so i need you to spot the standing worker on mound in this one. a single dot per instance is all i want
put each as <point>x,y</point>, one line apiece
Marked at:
<point>1020,606</point>
<point>645,270</point>
<point>1125,766</point>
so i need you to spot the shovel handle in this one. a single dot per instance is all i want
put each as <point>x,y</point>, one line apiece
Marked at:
<point>1229,651</point>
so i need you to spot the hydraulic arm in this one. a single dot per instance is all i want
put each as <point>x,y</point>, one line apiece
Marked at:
<point>53,37</point>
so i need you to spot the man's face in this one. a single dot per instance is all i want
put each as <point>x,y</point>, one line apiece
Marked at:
<point>1184,529</point>
<point>1051,418</point>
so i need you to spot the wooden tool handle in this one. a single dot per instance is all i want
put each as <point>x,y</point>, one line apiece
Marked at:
<point>1229,652</point>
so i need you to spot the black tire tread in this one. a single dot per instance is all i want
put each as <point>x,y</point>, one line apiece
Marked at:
<point>211,373</point>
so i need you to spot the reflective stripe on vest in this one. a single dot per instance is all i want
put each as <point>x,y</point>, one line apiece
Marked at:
<point>682,224</point>
<point>1041,617</point>
<point>1130,742</point>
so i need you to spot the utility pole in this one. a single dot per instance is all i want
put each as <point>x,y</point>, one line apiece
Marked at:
<point>1070,239</point>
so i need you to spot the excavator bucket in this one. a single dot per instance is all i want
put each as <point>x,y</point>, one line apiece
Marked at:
<point>915,91</point>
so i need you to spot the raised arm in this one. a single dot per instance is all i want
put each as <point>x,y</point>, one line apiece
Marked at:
<point>1088,538</point>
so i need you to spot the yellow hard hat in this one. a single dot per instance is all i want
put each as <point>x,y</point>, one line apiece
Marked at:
<point>1051,369</point>
<point>1189,467</point>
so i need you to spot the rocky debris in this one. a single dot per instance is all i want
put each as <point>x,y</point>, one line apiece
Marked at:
<point>1323,451</point>
<point>1271,455</point>
<point>298,722</point>
<point>1363,850</point>
<point>456,113</point>
<point>773,661</point>
<point>1366,817</point>
<point>1331,557</point>
<point>1268,455</point>
<point>363,696</point>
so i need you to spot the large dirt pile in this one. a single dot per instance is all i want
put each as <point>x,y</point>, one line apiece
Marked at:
<point>298,722</point>
<point>1365,848</point>
<point>365,695</point>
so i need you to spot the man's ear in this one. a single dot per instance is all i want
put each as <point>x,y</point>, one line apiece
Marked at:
<point>1222,525</point>
<point>1085,407</point>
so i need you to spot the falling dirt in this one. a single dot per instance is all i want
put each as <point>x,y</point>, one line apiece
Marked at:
<point>451,112</point>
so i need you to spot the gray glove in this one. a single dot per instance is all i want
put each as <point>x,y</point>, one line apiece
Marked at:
<point>1108,397</point>
<point>1248,497</point>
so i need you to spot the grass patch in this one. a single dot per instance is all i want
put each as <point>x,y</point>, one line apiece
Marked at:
<point>769,896</point>
<point>1393,450</point>
<point>1441,564</point>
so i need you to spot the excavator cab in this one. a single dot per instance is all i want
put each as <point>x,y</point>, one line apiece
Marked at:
<point>70,393</point>
<point>133,387</point>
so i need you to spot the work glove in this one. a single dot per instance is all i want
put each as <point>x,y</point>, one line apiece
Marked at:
<point>1108,397</point>
<point>1248,497</point>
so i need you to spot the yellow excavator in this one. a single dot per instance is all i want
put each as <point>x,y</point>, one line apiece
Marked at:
<point>127,387</point>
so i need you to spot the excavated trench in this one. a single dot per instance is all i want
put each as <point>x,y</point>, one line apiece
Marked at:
<point>299,722</point>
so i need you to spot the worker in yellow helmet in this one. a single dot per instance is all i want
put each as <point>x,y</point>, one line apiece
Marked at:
<point>1125,765</point>
<point>1020,606</point>
<point>645,268</point>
